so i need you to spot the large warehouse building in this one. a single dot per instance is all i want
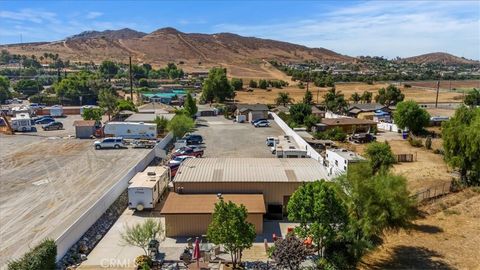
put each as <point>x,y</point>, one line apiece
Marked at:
<point>275,178</point>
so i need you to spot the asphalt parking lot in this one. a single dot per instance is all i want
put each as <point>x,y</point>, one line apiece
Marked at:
<point>225,138</point>
<point>48,180</point>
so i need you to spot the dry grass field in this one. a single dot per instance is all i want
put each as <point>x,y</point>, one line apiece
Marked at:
<point>448,84</point>
<point>446,237</point>
<point>417,94</point>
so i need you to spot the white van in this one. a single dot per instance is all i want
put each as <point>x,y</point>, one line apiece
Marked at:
<point>147,187</point>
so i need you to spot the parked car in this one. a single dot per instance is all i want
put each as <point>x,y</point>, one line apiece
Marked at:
<point>193,138</point>
<point>257,120</point>
<point>187,151</point>
<point>263,123</point>
<point>179,159</point>
<point>44,121</point>
<point>270,141</point>
<point>36,106</point>
<point>53,125</point>
<point>113,142</point>
<point>173,168</point>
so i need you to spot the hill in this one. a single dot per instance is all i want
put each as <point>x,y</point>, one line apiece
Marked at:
<point>196,51</point>
<point>439,58</point>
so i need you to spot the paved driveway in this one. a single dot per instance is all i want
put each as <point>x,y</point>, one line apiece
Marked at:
<point>225,138</point>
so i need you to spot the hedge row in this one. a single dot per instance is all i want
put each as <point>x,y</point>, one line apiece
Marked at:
<point>41,257</point>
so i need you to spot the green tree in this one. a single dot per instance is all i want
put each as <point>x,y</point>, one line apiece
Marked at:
<point>376,203</point>
<point>28,87</point>
<point>409,115</point>
<point>140,234</point>
<point>367,97</point>
<point>300,111</point>
<point>108,69</point>
<point>335,101</point>
<point>162,124</point>
<point>41,257</point>
<point>308,97</point>
<point>143,83</point>
<point>310,121</point>
<point>180,124</point>
<point>4,89</point>
<point>461,143</point>
<point>92,114</point>
<point>190,105</point>
<point>262,84</point>
<point>253,84</point>
<point>283,98</point>
<point>82,84</point>
<point>389,96</point>
<point>230,227</point>
<point>380,156</point>
<point>108,101</point>
<point>472,99</point>
<point>321,213</point>
<point>289,252</point>
<point>127,105</point>
<point>216,86</point>
<point>355,97</point>
<point>237,84</point>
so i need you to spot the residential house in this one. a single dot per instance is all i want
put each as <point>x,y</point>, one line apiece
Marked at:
<point>252,111</point>
<point>348,125</point>
<point>365,110</point>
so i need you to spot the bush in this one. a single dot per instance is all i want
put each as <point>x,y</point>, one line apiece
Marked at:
<point>407,85</point>
<point>41,257</point>
<point>415,142</point>
<point>439,151</point>
<point>41,98</point>
<point>143,260</point>
<point>334,134</point>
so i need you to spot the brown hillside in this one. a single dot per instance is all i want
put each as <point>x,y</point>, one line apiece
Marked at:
<point>170,45</point>
<point>440,58</point>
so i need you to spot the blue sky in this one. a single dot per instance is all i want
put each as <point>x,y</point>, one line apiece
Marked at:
<point>382,28</point>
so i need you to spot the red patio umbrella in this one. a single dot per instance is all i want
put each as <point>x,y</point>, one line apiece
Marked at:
<point>196,252</point>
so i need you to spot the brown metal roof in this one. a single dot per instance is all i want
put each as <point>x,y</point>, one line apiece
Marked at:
<point>84,123</point>
<point>250,170</point>
<point>346,121</point>
<point>205,203</point>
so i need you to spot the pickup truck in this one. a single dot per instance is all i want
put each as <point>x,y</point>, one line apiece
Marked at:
<point>143,144</point>
<point>187,151</point>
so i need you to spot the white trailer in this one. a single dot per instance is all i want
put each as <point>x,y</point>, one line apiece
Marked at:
<point>147,187</point>
<point>131,130</point>
<point>22,122</point>
<point>56,111</point>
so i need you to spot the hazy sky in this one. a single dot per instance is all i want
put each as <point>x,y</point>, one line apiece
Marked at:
<point>382,28</point>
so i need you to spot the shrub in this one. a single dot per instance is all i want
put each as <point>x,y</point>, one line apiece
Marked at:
<point>335,134</point>
<point>415,142</point>
<point>143,260</point>
<point>439,151</point>
<point>407,85</point>
<point>41,257</point>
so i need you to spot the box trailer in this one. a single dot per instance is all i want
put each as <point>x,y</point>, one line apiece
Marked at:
<point>147,187</point>
<point>22,122</point>
<point>131,130</point>
<point>56,111</point>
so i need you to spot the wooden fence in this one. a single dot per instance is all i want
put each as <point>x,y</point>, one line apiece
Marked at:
<point>406,157</point>
<point>432,192</point>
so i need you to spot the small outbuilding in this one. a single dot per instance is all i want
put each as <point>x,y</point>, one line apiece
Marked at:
<point>190,214</point>
<point>252,111</point>
<point>84,129</point>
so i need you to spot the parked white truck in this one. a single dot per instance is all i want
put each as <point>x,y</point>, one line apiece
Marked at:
<point>147,187</point>
<point>22,122</point>
<point>130,130</point>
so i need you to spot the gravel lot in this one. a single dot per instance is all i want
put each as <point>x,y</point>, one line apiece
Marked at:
<point>225,138</point>
<point>47,180</point>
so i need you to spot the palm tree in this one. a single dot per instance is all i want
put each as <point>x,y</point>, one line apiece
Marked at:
<point>355,97</point>
<point>283,98</point>
<point>335,101</point>
<point>367,97</point>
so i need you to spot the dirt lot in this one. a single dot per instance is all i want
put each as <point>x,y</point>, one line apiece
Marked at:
<point>417,94</point>
<point>427,171</point>
<point>47,182</point>
<point>448,85</point>
<point>447,238</point>
<point>224,138</point>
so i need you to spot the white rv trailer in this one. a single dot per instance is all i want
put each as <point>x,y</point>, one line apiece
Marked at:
<point>131,130</point>
<point>147,187</point>
<point>56,111</point>
<point>22,122</point>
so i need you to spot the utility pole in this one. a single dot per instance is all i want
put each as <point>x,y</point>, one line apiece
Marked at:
<point>131,79</point>
<point>438,89</point>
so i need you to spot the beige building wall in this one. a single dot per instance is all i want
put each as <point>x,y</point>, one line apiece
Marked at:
<point>197,224</point>
<point>273,193</point>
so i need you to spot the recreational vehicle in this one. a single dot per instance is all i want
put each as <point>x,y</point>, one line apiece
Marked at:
<point>147,187</point>
<point>22,122</point>
<point>131,130</point>
<point>56,111</point>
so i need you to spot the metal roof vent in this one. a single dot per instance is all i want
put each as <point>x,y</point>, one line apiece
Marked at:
<point>151,173</point>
